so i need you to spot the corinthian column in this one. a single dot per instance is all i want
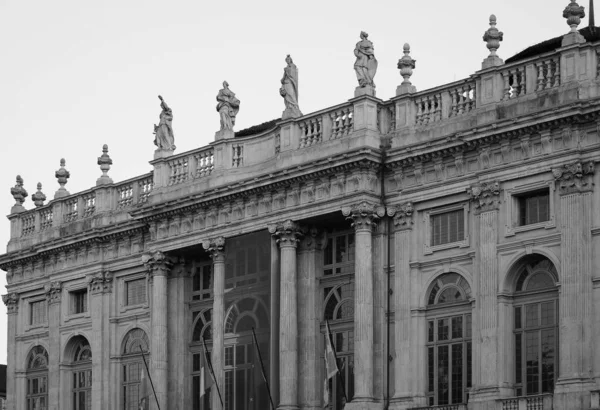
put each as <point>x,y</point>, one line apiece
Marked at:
<point>575,298</point>
<point>159,266</point>
<point>12,307</point>
<point>53,292</point>
<point>403,224</point>
<point>486,200</point>
<point>288,234</point>
<point>216,248</point>
<point>363,217</point>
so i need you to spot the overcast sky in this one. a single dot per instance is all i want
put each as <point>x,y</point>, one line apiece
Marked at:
<point>75,75</point>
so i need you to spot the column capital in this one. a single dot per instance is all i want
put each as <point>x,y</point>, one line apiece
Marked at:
<point>11,300</point>
<point>363,215</point>
<point>314,239</point>
<point>157,263</point>
<point>574,178</point>
<point>53,291</point>
<point>216,248</point>
<point>485,196</point>
<point>100,282</point>
<point>403,215</point>
<point>287,233</point>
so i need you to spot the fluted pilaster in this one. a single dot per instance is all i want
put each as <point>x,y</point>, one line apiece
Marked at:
<point>159,266</point>
<point>53,292</point>
<point>288,234</point>
<point>216,249</point>
<point>11,301</point>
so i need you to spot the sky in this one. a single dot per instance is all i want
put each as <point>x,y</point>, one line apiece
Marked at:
<point>75,75</point>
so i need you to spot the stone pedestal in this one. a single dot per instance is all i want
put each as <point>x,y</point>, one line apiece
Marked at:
<point>363,216</point>
<point>162,153</point>
<point>216,248</point>
<point>12,306</point>
<point>366,90</point>
<point>159,266</point>
<point>53,296</point>
<point>224,135</point>
<point>288,235</point>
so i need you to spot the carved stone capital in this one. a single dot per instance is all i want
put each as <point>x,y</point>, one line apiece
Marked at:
<point>314,240</point>
<point>363,216</point>
<point>485,196</point>
<point>157,263</point>
<point>53,291</point>
<point>403,215</point>
<point>216,248</point>
<point>11,301</point>
<point>575,178</point>
<point>100,282</point>
<point>287,234</point>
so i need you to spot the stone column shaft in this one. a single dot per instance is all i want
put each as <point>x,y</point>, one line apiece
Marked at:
<point>274,339</point>
<point>216,247</point>
<point>12,306</point>
<point>53,295</point>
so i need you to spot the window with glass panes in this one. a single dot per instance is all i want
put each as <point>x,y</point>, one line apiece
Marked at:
<point>202,282</point>
<point>200,336</point>
<point>534,207</point>
<point>37,379</point>
<point>199,402</point>
<point>133,370</point>
<point>536,332</point>
<point>248,260</point>
<point>82,376</point>
<point>135,291</point>
<point>79,299</point>
<point>449,345</point>
<point>38,312</point>
<point>338,256</point>
<point>447,227</point>
<point>343,343</point>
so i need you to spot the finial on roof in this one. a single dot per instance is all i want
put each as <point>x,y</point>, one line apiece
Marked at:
<point>406,65</point>
<point>573,13</point>
<point>19,194</point>
<point>62,175</point>
<point>105,162</point>
<point>493,37</point>
<point>38,198</point>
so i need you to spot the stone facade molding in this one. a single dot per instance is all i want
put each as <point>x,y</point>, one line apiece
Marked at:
<point>574,178</point>
<point>11,300</point>
<point>287,233</point>
<point>157,263</point>
<point>314,239</point>
<point>402,215</point>
<point>485,196</point>
<point>53,291</point>
<point>216,248</point>
<point>100,282</point>
<point>364,215</point>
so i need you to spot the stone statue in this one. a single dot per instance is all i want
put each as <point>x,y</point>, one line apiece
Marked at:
<point>366,63</point>
<point>289,90</point>
<point>163,132</point>
<point>228,107</point>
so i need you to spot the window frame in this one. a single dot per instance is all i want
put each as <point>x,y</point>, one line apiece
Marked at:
<point>202,294</point>
<point>73,294</point>
<point>31,302</point>
<point>124,286</point>
<point>428,248</point>
<point>33,374</point>
<point>511,199</point>
<point>128,359</point>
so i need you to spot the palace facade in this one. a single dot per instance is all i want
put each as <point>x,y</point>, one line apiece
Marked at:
<point>450,237</point>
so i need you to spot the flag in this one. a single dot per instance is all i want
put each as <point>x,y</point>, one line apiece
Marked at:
<point>144,393</point>
<point>331,368</point>
<point>206,379</point>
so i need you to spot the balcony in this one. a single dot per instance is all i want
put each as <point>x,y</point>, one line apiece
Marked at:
<point>539,402</point>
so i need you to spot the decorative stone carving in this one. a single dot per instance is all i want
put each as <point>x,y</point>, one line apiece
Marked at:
<point>365,65</point>
<point>38,198</point>
<point>62,176</point>
<point>418,170</point>
<point>492,37</point>
<point>574,13</point>
<point>105,162</point>
<point>227,107</point>
<point>575,178</point>
<point>438,166</point>
<point>287,233</point>
<point>19,194</point>
<point>525,146</point>
<point>216,248</point>
<point>406,65</point>
<point>485,196</point>
<point>100,282</point>
<point>289,90</point>
<point>314,239</point>
<point>164,138</point>
<point>459,163</point>
<point>157,263</point>
<point>363,216</point>
<point>11,301</point>
<point>402,214</point>
<point>53,291</point>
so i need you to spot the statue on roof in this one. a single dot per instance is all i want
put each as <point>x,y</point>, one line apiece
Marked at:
<point>164,138</point>
<point>289,90</point>
<point>366,63</point>
<point>228,107</point>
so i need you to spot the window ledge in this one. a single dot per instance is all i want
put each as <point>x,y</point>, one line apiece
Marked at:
<point>126,308</point>
<point>460,244</point>
<point>511,231</point>
<point>31,328</point>
<point>75,316</point>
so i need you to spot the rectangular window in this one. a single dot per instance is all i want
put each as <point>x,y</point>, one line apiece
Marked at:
<point>534,207</point>
<point>202,283</point>
<point>136,291</point>
<point>338,256</point>
<point>447,227</point>
<point>38,312</point>
<point>79,301</point>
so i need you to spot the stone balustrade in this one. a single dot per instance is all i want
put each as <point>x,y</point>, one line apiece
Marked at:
<point>342,122</point>
<point>539,402</point>
<point>443,407</point>
<point>311,131</point>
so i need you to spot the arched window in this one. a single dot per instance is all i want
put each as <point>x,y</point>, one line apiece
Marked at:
<point>37,379</point>
<point>81,359</point>
<point>535,327</point>
<point>202,332</point>
<point>449,348</point>
<point>135,391</point>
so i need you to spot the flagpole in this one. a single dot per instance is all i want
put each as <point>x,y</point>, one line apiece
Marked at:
<point>262,368</point>
<point>149,377</point>
<point>212,372</point>
<point>335,355</point>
